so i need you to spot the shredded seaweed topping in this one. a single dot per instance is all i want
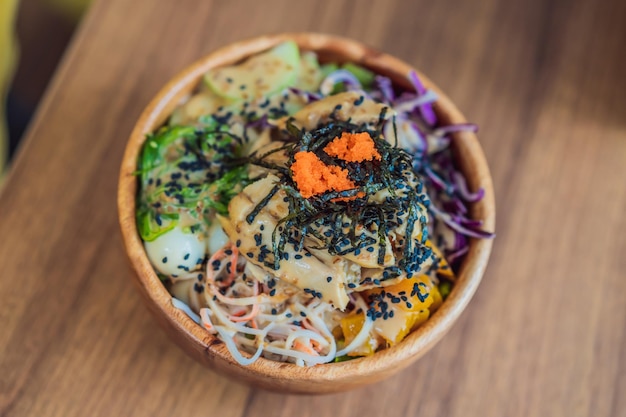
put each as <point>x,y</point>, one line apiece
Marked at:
<point>386,195</point>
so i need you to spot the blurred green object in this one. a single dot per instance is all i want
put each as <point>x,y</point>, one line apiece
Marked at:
<point>72,8</point>
<point>8,59</point>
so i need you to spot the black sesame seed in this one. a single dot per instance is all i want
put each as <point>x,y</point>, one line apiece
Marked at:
<point>164,260</point>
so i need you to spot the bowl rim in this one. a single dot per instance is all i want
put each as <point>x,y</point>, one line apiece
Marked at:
<point>381,363</point>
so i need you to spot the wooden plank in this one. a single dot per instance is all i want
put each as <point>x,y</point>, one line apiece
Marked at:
<point>546,332</point>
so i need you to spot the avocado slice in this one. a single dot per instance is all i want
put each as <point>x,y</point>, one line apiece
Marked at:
<point>198,105</point>
<point>310,76</point>
<point>258,76</point>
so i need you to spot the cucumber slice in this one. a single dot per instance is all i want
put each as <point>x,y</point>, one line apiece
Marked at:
<point>259,76</point>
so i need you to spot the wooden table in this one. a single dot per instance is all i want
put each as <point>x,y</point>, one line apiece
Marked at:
<point>545,334</point>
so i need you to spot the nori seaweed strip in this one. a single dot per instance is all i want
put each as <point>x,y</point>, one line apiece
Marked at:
<point>382,235</point>
<point>262,203</point>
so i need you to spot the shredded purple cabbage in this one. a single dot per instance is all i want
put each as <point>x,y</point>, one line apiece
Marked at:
<point>460,127</point>
<point>433,162</point>
<point>430,146</point>
<point>408,103</point>
<point>457,224</point>
<point>457,255</point>
<point>461,186</point>
<point>385,87</point>
<point>260,123</point>
<point>426,110</point>
<point>306,95</point>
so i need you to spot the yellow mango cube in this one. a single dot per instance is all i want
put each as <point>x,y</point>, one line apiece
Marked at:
<point>351,326</point>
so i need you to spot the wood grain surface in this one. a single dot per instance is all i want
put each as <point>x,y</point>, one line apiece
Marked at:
<point>545,334</point>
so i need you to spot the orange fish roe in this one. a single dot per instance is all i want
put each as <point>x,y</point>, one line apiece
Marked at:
<point>353,147</point>
<point>313,177</point>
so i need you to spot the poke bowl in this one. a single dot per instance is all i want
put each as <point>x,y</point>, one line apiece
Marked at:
<point>304,213</point>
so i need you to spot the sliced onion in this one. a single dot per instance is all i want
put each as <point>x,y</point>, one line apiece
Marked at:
<point>336,77</point>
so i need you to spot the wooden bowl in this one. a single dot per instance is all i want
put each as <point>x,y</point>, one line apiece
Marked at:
<point>285,377</point>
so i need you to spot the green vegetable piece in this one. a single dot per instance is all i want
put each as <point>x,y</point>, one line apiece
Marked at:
<point>444,288</point>
<point>365,76</point>
<point>258,76</point>
<point>344,358</point>
<point>149,227</point>
<point>155,144</point>
<point>328,68</point>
